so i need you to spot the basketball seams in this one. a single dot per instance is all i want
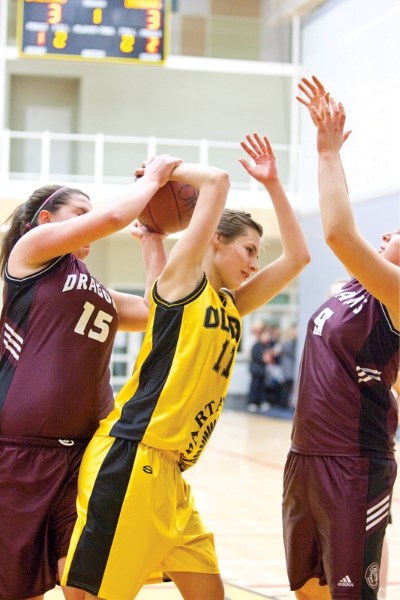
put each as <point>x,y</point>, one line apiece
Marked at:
<point>176,203</point>
<point>170,209</point>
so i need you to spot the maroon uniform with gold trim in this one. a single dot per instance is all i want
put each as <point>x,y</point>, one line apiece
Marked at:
<point>57,331</point>
<point>341,469</point>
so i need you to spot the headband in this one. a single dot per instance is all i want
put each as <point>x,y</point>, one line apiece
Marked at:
<point>41,207</point>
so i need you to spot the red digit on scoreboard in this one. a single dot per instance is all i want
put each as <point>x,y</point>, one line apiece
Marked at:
<point>41,38</point>
<point>153,45</point>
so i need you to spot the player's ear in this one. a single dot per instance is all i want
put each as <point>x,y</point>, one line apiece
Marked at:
<point>216,240</point>
<point>44,217</point>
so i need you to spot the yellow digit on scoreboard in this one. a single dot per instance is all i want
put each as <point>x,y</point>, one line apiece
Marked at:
<point>54,13</point>
<point>97,16</point>
<point>60,38</point>
<point>153,19</point>
<point>143,4</point>
<point>94,30</point>
<point>127,43</point>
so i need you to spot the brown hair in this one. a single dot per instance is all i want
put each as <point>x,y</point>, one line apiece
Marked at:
<point>24,217</point>
<point>234,223</point>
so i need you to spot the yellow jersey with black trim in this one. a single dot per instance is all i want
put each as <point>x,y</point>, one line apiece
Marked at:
<point>177,390</point>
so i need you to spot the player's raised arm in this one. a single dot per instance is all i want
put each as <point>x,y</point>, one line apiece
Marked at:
<point>268,282</point>
<point>64,235</point>
<point>184,268</point>
<point>378,272</point>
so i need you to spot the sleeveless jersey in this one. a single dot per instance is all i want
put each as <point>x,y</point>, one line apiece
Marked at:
<point>177,390</point>
<point>57,330</point>
<point>350,361</point>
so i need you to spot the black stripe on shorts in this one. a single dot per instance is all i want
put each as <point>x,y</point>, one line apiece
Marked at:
<point>92,551</point>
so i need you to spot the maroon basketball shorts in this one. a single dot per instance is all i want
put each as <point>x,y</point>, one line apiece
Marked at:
<point>335,513</point>
<point>38,479</point>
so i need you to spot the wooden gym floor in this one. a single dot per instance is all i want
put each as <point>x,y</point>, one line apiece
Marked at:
<point>237,485</point>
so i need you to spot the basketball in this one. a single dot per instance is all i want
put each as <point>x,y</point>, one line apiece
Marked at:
<point>170,209</point>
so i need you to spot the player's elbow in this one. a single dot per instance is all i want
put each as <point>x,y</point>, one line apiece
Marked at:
<point>304,258</point>
<point>300,261</point>
<point>220,179</point>
<point>332,239</point>
<point>115,220</point>
<point>299,258</point>
<point>217,178</point>
<point>216,186</point>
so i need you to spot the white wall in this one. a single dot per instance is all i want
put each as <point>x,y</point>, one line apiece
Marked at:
<point>354,47</point>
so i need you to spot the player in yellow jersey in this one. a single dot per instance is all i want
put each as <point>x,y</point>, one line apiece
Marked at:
<point>137,520</point>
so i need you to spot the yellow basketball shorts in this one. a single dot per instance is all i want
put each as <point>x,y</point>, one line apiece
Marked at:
<point>136,521</point>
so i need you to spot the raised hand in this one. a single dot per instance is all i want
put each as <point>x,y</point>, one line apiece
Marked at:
<point>330,120</point>
<point>259,149</point>
<point>314,91</point>
<point>318,102</point>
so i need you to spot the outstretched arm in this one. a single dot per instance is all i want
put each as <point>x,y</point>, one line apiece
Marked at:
<point>313,92</point>
<point>184,268</point>
<point>380,276</point>
<point>37,248</point>
<point>268,282</point>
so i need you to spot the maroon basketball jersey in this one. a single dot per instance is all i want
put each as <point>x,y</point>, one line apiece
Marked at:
<point>350,361</point>
<point>57,332</point>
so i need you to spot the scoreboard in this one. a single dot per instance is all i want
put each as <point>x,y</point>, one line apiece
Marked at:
<point>93,30</point>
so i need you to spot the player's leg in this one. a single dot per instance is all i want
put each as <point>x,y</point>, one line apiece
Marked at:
<point>351,503</point>
<point>312,590</point>
<point>64,517</point>
<point>69,592</point>
<point>193,565</point>
<point>126,493</point>
<point>383,576</point>
<point>197,586</point>
<point>300,535</point>
<point>28,550</point>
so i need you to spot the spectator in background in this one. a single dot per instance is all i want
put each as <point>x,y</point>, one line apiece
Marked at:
<point>273,370</point>
<point>288,366</point>
<point>257,393</point>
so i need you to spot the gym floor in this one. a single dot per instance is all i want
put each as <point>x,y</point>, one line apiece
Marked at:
<point>237,485</point>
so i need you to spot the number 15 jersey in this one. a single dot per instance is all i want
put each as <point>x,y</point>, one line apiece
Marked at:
<point>57,331</point>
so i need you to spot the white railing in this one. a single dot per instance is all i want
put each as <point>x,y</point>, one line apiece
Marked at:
<point>107,159</point>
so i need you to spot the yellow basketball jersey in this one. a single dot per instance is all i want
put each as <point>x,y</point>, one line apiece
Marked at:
<point>177,390</point>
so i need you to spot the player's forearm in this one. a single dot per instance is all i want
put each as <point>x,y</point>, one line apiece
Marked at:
<point>292,237</point>
<point>198,175</point>
<point>336,213</point>
<point>154,259</point>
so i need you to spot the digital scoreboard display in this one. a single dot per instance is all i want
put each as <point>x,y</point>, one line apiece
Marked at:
<point>93,30</point>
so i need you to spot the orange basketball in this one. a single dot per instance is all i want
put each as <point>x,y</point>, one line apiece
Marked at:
<point>170,209</point>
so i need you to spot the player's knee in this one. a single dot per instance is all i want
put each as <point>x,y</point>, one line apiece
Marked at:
<point>312,590</point>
